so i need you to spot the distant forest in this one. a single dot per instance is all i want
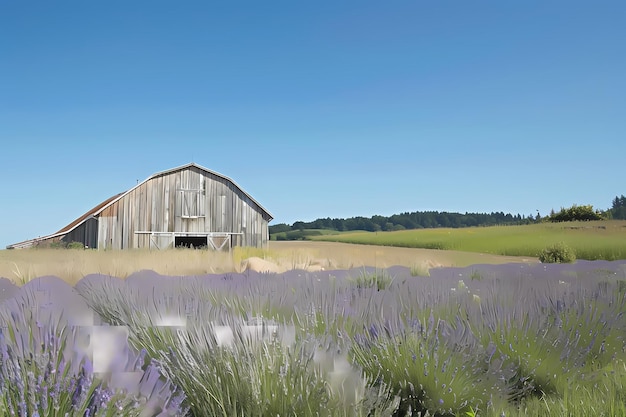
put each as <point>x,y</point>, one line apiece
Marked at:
<point>434,219</point>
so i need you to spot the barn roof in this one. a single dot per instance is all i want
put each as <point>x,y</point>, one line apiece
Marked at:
<point>180,168</point>
<point>85,216</point>
<point>66,229</point>
<point>100,207</point>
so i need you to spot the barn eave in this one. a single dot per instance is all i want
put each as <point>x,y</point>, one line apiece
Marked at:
<point>269,216</point>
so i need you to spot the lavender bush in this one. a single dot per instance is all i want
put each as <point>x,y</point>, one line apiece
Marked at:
<point>487,340</point>
<point>230,360</point>
<point>47,365</point>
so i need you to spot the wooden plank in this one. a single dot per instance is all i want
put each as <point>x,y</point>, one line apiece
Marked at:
<point>157,205</point>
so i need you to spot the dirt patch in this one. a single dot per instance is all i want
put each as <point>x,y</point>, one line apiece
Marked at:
<point>260,265</point>
<point>281,265</point>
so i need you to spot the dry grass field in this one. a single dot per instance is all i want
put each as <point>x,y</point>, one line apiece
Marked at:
<point>71,265</point>
<point>334,255</point>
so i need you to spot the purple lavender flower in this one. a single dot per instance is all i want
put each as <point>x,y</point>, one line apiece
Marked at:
<point>81,388</point>
<point>373,331</point>
<point>105,397</point>
<point>33,389</point>
<point>3,348</point>
<point>21,408</point>
<point>176,402</point>
<point>20,386</point>
<point>87,367</point>
<point>54,394</point>
<point>62,366</point>
<point>93,401</point>
<point>140,360</point>
<point>44,397</point>
<point>48,370</point>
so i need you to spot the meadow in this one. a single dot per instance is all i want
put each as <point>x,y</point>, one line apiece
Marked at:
<point>71,265</point>
<point>593,240</point>
<point>485,340</point>
<point>341,330</point>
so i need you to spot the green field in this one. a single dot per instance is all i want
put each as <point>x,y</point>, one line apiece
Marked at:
<point>590,240</point>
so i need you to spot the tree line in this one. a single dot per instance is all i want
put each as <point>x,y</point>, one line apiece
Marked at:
<point>618,208</point>
<point>434,219</point>
<point>587,212</point>
<point>402,221</point>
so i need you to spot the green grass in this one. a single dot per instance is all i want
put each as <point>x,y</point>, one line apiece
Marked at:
<point>302,234</point>
<point>589,240</point>
<point>379,279</point>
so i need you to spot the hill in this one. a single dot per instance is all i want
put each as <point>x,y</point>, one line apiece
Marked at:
<point>590,240</point>
<point>434,219</point>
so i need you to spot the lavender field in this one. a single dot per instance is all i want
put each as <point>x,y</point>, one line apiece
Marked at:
<point>485,340</point>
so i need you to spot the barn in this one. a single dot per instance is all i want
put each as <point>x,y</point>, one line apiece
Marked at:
<point>185,206</point>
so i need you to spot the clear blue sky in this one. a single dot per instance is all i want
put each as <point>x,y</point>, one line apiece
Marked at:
<point>317,109</point>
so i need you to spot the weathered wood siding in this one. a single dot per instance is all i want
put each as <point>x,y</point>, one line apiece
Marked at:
<point>86,233</point>
<point>190,200</point>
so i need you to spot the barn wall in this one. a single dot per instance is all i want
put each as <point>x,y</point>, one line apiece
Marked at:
<point>85,233</point>
<point>189,200</point>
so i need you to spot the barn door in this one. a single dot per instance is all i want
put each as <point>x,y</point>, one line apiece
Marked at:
<point>219,242</point>
<point>160,241</point>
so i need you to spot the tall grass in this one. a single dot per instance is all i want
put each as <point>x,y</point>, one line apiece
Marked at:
<point>72,265</point>
<point>241,253</point>
<point>376,278</point>
<point>21,266</point>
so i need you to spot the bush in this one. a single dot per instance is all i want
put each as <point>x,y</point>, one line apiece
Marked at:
<point>576,213</point>
<point>60,244</point>
<point>558,253</point>
<point>380,279</point>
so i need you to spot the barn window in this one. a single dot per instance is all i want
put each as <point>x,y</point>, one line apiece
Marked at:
<point>192,203</point>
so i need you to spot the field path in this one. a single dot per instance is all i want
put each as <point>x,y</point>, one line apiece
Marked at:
<point>333,255</point>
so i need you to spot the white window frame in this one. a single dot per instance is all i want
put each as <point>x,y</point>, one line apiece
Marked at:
<point>192,203</point>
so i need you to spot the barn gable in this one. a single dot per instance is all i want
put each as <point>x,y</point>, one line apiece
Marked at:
<point>188,205</point>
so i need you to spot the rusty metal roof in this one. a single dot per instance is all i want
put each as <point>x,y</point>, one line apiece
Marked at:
<point>85,216</point>
<point>66,229</point>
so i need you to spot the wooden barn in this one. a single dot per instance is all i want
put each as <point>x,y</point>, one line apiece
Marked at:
<point>185,206</point>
